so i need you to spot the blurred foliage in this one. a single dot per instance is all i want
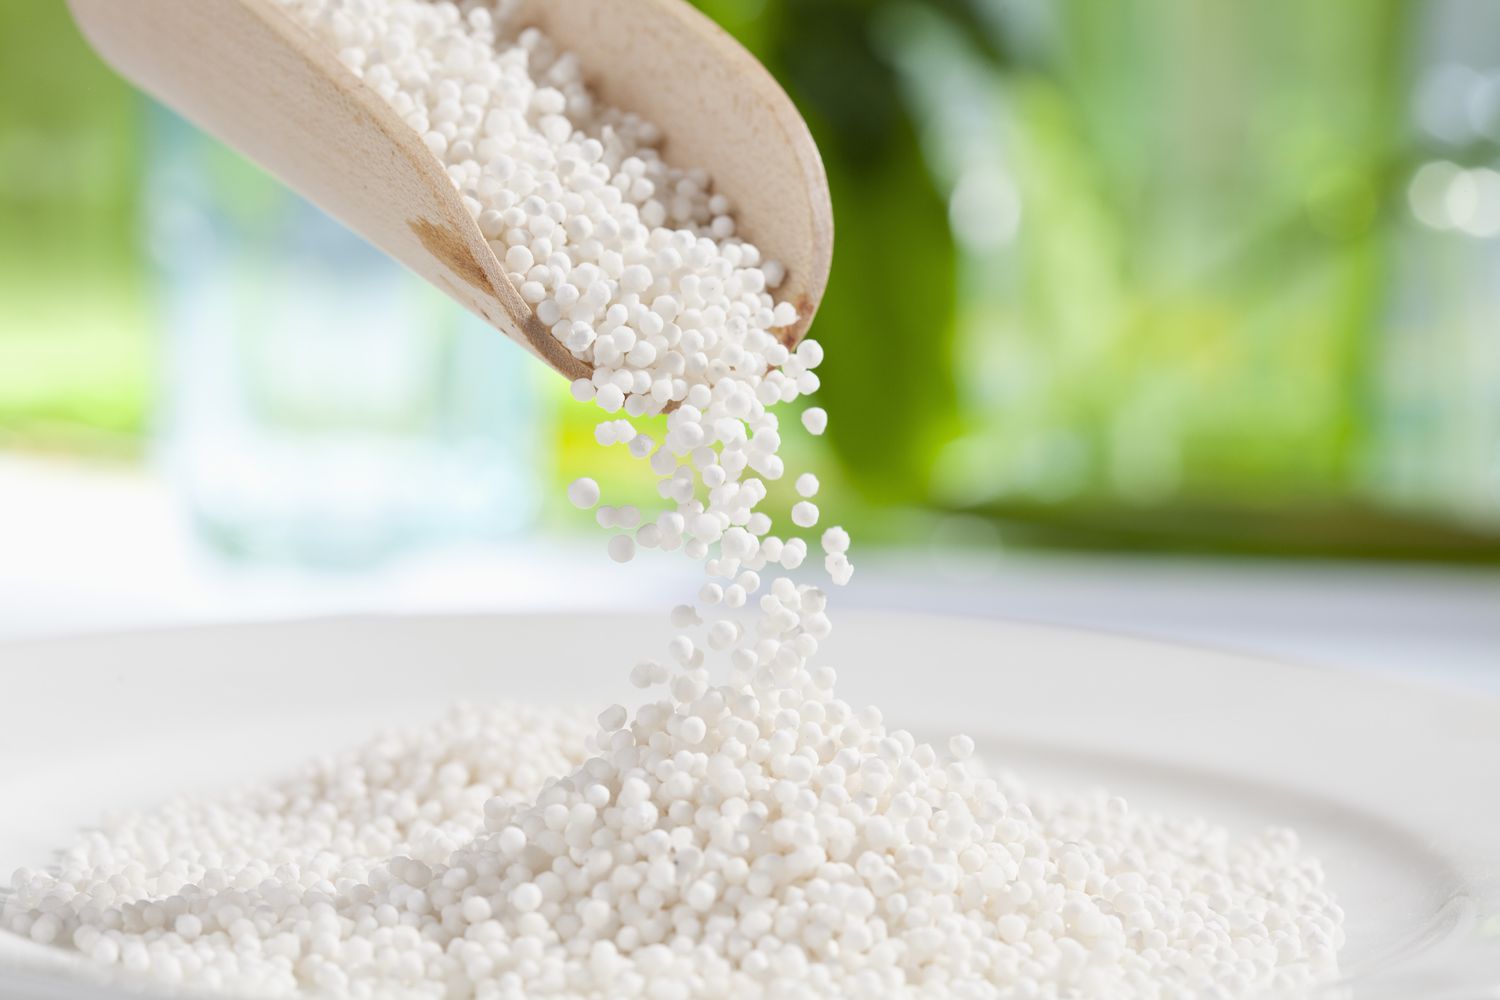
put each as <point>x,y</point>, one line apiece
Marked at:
<point>1142,260</point>
<point>1205,265</point>
<point>74,350</point>
<point>1142,272</point>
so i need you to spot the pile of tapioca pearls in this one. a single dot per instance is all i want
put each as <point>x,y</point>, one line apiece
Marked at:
<point>687,853</point>
<point>746,833</point>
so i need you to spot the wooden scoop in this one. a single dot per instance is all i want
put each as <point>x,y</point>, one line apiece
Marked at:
<point>246,72</point>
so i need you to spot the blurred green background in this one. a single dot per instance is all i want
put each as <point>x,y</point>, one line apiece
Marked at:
<point>1141,274</point>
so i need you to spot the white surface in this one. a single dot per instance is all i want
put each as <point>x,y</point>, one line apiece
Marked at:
<point>1393,786</point>
<point>83,549</point>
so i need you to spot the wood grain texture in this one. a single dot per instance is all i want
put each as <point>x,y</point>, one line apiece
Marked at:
<point>245,72</point>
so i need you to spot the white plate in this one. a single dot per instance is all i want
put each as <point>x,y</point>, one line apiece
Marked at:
<point>1396,788</point>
